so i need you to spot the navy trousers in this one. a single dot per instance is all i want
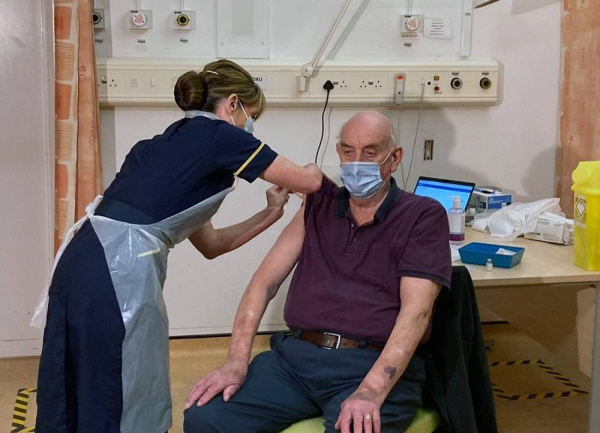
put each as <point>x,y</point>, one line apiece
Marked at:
<point>296,380</point>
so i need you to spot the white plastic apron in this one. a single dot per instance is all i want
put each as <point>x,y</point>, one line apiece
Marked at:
<point>137,260</point>
<point>136,255</point>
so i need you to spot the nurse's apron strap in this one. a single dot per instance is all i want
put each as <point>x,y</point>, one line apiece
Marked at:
<point>39,315</point>
<point>249,160</point>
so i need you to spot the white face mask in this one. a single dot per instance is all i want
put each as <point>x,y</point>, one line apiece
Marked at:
<point>249,125</point>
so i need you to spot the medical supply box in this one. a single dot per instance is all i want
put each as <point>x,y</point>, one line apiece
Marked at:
<point>485,200</point>
<point>478,253</point>
<point>553,231</point>
<point>586,188</point>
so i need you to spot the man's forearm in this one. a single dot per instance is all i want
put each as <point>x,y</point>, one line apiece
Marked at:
<point>247,319</point>
<point>399,349</point>
<point>264,286</point>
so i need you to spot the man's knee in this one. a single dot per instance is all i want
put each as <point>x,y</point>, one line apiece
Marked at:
<point>200,419</point>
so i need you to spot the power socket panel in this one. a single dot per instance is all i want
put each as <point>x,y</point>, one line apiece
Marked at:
<point>354,85</point>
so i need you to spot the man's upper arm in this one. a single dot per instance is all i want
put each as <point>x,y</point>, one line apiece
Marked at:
<point>418,294</point>
<point>426,254</point>
<point>284,254</point>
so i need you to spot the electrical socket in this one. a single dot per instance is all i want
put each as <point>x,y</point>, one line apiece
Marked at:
<point>371,82</point>
<point>428,152</point>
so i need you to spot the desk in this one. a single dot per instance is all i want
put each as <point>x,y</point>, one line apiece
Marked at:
<point>544,264</point>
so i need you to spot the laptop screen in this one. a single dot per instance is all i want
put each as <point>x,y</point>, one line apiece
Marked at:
<point>444,190</point>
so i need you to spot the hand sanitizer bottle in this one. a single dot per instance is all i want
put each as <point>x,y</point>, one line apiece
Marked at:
<point>456,220</point>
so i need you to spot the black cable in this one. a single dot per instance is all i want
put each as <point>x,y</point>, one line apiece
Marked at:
<point>327,86</point>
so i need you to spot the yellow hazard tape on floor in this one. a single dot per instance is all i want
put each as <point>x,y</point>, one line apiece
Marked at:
<point>500,393</point>
<point>20,411</point>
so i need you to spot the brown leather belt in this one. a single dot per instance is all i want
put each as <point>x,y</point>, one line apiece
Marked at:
<point>329,340</point>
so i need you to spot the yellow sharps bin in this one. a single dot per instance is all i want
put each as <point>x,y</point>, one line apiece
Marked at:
<point>586,186</point>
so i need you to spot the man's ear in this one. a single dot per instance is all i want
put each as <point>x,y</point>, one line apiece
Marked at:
<point>397,154</point>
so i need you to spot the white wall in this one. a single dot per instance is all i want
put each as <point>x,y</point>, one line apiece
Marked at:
<point>26,164</point>
<point>511,145</point>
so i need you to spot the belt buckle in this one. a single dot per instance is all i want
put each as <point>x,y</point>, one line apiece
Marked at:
<point>337,343</point>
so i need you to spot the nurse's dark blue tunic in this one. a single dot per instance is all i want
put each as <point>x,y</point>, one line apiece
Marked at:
<point>79,383</point>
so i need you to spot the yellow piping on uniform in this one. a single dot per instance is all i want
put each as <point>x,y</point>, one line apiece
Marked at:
<point>249,160</point>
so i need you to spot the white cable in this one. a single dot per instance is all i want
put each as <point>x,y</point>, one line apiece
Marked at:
<point>398,132</point>
<point>139,2</point>
<point>409,7</point>
<point>182,5</point>
<point>412,156</point>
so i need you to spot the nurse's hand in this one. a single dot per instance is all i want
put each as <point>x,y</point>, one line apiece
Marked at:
<point>277,197</point>
<point>226,379</point>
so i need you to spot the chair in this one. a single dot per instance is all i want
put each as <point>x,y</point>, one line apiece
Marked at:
<point>456,366</point>
<point>425,421</point>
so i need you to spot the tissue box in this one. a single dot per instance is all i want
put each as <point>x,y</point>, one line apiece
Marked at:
<point>478,253</point>
<point>486,200</point>
<point>549,230</point>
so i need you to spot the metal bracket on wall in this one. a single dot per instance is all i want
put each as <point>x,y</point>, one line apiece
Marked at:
<point>428,152</point>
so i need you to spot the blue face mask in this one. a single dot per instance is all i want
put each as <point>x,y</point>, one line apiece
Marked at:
<point>249,125</point>
<point>363,179</point>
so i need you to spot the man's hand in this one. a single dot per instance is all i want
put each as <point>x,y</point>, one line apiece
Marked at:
<point>359,414</point>
<point>226,379</point>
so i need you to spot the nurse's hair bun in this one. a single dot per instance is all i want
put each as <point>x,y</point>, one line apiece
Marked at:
<point>190,91</point>
<point>218,80</point>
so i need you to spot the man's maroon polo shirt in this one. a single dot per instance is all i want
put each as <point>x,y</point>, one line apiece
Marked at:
<point>347,278</point>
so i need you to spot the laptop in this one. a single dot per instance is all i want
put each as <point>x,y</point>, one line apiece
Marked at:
<point>444,190</point>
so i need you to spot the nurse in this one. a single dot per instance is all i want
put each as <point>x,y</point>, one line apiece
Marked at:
<point>105,361</point>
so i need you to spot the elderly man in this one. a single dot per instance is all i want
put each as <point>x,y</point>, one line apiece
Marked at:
<point>371,260</point>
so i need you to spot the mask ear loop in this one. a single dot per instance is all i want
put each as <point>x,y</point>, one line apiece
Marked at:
<point>388,155</point>
<point>382,162</point>
<point>242,107</point>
